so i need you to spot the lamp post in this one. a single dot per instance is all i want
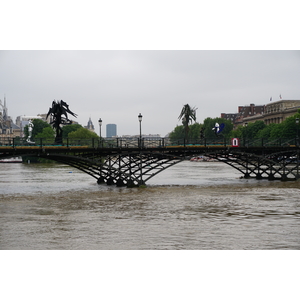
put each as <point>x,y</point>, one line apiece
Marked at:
<point>297,144</point>
<point>297,128</point>
<point>100,124</point>
<point>246,124</point>
<point>140,117</point>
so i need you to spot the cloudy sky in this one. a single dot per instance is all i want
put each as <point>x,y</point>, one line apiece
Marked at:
<point>118,85</point>
<point>155,66</point>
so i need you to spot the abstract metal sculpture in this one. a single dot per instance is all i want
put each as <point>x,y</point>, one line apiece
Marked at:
<point>58,109</point>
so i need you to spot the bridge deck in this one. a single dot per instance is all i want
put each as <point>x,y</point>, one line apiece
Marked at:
<point>119,162</point>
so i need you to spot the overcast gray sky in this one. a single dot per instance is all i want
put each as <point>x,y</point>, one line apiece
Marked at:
<point>118,85</point>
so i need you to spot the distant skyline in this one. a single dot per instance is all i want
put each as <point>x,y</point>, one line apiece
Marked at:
<point>118,85</point>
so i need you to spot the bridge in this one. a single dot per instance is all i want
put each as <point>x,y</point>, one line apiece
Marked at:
<point>132,162</point>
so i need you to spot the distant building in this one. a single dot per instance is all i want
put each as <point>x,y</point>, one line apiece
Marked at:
<point>229,117</point>
<point>244,112</point>
<point>90,125</point>
<point>111,130</point>
<point>7,127</point>
<point>274,112</point>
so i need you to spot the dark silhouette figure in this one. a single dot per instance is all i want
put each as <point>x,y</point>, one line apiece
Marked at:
<point>59,112</point>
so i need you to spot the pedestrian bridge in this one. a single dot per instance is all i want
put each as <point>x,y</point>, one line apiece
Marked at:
<point>132,162</point>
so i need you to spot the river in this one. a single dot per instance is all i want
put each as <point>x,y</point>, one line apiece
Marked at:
<point>192,205</point>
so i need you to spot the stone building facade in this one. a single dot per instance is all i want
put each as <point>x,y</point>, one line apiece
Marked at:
<point>273,112</point>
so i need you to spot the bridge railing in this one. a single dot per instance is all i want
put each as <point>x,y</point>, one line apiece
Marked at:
<point>265,142</point>
<point>94,142</point>
<point>200,142</point>
<point>136,142</point>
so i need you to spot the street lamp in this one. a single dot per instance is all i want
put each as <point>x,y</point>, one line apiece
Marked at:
<point>297,127</point>
<point>140,117</point>
<point>100,124</point>
<point>297,144</point>
<point>246,124</point>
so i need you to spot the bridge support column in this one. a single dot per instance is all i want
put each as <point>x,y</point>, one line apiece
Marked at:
<point>247,175</point>
<point>100,180</point>
<point>258,176</point>
<point>141,183</point>
<point>110,181</point>
<point>271,177</point>
<point>120,183</point>
<point>130,184</point>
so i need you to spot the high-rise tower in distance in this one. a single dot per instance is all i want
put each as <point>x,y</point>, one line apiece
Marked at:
<point>111,130</point>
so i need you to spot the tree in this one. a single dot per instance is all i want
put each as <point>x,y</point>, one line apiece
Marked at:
<point>266,132</point>
<point>47,133</point>
<point>70,128</point>
<point>251,131</point>
<point>178,134</point>
<point>187,115</point>
<point>254,128</point>
<point>82,133</point>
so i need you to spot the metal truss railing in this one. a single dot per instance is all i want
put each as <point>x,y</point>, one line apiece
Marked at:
<point>146,142</point>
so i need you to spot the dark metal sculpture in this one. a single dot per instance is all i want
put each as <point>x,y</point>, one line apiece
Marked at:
<point>59,112</point>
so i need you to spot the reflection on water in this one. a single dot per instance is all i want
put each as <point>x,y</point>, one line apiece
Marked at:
<point>189,206</point>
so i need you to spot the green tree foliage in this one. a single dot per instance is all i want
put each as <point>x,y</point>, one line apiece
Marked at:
<point>251,131</point>
<point>257,130</point>
<point>47,133</point>
<point>38,126</point>
<point>266,132</point>
<point>289,128</point>
<point>82,133</point>
<point>70,128</point>
<point>178,134</point>
<point>187,115</point>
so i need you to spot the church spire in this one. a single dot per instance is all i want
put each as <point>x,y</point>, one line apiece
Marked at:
<point>5,114</point>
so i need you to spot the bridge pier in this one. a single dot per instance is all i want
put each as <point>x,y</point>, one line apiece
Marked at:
<point>271,177</point>
<point>100,180</point>
<point>131,184</point>
<point>120,183</point>
<point>247,175</point>
<point>258,176</point>
<point>110,181</point>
